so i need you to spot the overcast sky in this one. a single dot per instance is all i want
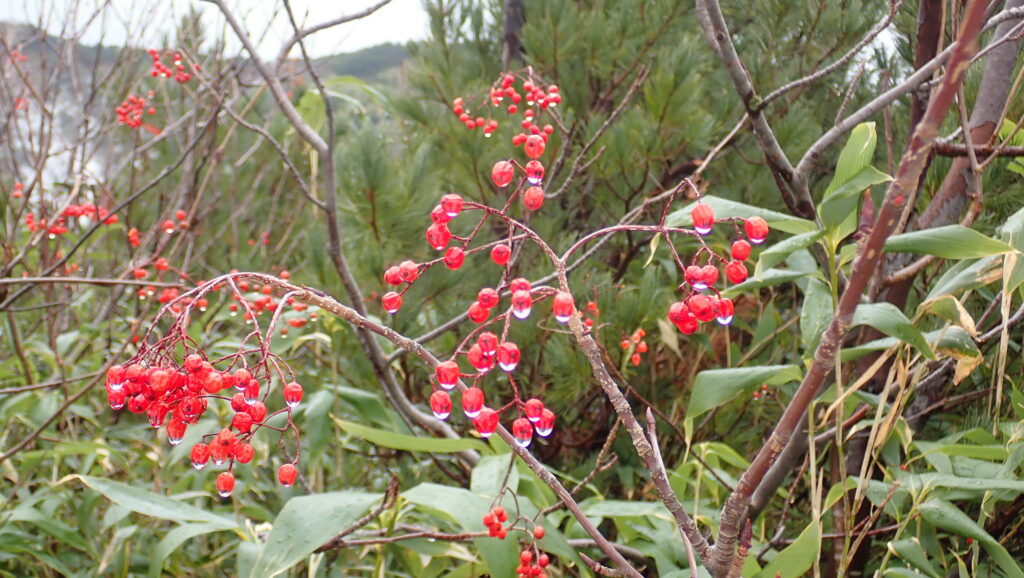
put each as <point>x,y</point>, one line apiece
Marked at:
<point>399,21</point>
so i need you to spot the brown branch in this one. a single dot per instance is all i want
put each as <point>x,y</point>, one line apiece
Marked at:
<point>865,264</point>
<point>389,500</point>
<point>794,188</point>
<point>961,150</point>
<point>282,55</point>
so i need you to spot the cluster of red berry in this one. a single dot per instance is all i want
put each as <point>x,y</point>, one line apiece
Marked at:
<point>160,70</point>
<point>19,190</point>
<point>130,112</point>
<point>152,383</point>
<point>698,307</point>
<point>528,567</point>
<point>59,225</point>
<point>638,345</point>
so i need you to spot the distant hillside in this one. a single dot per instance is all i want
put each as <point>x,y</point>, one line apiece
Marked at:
<point>370,64</point>
<point>376,64</point>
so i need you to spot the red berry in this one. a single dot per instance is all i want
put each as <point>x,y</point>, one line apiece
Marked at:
<point>488,298</point>
<point>709,275</point>
<point>408,271</point>
<point>472,402</point>
<point>534,172</point>
<point>703,218</point>
<point>447,373</point>
<point>243,452</point>
<point>757,229</point>
<point>533,408</point>
<point>533,198</point>
<point>726,310</point>
<point>534,146</point>
<point>500,254</point>
<point>242,422</point>
<point>441,404</point>
<point>478,359</point>
<point>543,560</point>
<point>477,313</point>
<point>488,343</point>
<point>519,284</point>
<point>454,257</point>
<point>200,455</point>
<point>502,173</point>
<point>225,484</point>
<point>486,422</point>
<point>176,431</point>
<point>286,474</point>
<point>522,430</point>
<point>452,205</point>
<point>701,307</point>
<point>740,250</point>
<point>546,424</point>
<point>438,216</point>
<point>736,271</point>
<point>438,236</point>
<point>292,394</point>
<point>563,306</point>
<point>522,303</point>
<point>392,302</point>
<point>508,356</point>
<point>538,533</point>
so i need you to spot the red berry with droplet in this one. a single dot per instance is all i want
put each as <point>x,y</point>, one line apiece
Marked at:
<point>533,408</point>
<point>438,236</point>
<point>292,394</point>
<point>508,356</point>
<point>486,422</point>
<point>757,230</point>
<point>392,302</point>
<point>472,402</point>
<point>225,484</point>
<point>200,456</point>
<point>546,424</point>
<point>441,404</point>
<point>447,373</point>
<point>534,172</point>
<point>522,430</point>
<point>533,198</point>
<point>452,205</point>
<point>703,218</point>
<point>408,271</point>
<point>563,306</point>
<point>286,474</point>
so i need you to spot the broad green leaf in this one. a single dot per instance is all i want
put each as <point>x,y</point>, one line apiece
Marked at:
<point>726,208</point>
<point>967,275</point>
<point>888,319</point>
<point>172,541</point>
<point>715,387</point>
<point>52,526</point>
<point>948,517</point>
<point>957,343</point>
<point>798,557</point>
<point>856,154</point>
<point>910,550</point>
<point>949,242</point>
<point>815,314</point>
<point>623,508</point>
<point>951,309</point>
<point>491,471</point>
<point>154,505</point>
<point>466,509</point>
<point>767,279</point>
<point>778,252</point>
<point>306,523</point>
<point>937,480</point>
<point>407,443</point>
<point>838,210</point>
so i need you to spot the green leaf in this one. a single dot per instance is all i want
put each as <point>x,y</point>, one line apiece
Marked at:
<point>778,252</point>
<point>715,387</point>
<point>154,505</point>
<point>490,472</point>
<point>949,242</point>
<point>766,279</point>
<point>467,509</point>
<point>957,343</point>
<point>173,540</point>
<point>725,208</point>
<point>856,154</point>
<point>838,210</point>
<point>815,314</point>
<point>888,319</point>
<point>944,515</point>
<point>967,275</point>
<point>52,526</point>
<point>306,523</point>
<point>798,557</point>
<point>910,550</point>
<point>407,443</point>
